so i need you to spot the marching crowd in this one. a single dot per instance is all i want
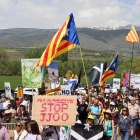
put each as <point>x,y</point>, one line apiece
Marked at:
<point>118,112</point>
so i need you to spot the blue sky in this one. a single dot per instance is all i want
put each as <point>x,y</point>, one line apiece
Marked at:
<point>51,14</point>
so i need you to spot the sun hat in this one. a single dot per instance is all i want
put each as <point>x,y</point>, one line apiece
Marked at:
<point>7,112</point>
<point>108,112</point>
<point>12,98</point>
<point>112,103</point>
<point>91,117</point>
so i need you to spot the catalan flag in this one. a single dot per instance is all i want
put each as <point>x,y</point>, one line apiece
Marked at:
<point>132,36</point>
<point>64,40</point>
<point>19,91</point>
<point>110,72</point>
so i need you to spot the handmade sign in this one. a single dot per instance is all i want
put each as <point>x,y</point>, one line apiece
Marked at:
<point>10,128</point>
<point>54,110</point>
<point>116,83</point>
<point>65,90</point>
<point>110,90</point>
<point>7,89</point>
<point>30,78</point>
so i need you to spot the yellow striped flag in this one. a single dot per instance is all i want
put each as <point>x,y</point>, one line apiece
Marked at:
<point>64,40</point>
<point>19,91</point>
<point>56,90</point>
<point>132,36</point>
<point>110,72</point>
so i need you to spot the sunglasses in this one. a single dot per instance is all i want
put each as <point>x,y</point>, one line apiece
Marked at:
<point>18,125</point>
<point>124,110</point>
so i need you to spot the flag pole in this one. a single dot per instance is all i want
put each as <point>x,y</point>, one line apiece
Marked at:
<point>131,64</point>
<point>84,71</point>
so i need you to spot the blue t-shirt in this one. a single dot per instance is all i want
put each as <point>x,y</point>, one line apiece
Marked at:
<point>95,109</point>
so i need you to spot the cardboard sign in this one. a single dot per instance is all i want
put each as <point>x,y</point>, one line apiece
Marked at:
<point>65,90</point>
<point>110,90</point>
<point>10,128</point>
<point>54,110</point>
<point>134,81</point>
<point>3,106</point>
<point>7,89</point>
<point>116,83</point>
<point>137,83</point>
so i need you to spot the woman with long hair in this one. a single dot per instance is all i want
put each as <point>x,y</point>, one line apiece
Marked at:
<point>20,132</point>
<point>125,124</point>
<point>108,125</point>
<point>33,129</point>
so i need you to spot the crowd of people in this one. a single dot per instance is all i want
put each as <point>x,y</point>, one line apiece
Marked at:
<point>118,112</point>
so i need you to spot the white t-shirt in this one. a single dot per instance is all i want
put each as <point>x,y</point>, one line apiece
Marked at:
<point>33,137</point>
<point>51,134</point>
<point>21,137</point>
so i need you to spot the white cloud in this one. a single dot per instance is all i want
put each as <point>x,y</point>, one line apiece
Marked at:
<point>53,13</point>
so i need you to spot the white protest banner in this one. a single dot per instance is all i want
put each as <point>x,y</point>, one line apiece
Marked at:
<point>65,80</point>
<point>65,90</point>
<point>7,89</point>
<point>55,84</point>
<point>137,83</point>
<point>54,110</point>
<point>116,83</point>
<point>110,90</point>
<point>3,106</point>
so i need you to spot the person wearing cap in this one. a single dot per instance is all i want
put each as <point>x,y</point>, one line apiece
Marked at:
<point>3,133</point>
<point>108,125</point>
<point>90,120</point>
<point>125,123</point>
<point>115,116</point>
<point>134,111</point>
<point>119,102</point>
<point>21,110</point>
<point>8,117</point>
<point>13,104</point>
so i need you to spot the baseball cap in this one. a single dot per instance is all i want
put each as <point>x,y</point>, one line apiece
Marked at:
<point>25,112</point>
<point>91,117</point>
<point>22,104</point>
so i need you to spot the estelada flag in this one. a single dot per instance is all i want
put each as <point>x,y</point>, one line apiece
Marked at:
<point>110,72</point>
<point>132,36</point>
<point>69,74</point>
<point>64,40</point>
<point>19,91</point>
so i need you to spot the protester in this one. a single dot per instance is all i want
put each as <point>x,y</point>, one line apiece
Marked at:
<point>1,117</point>
<point>20,132</point>
<point>3,133</point>
<point>33,130</point>
<point>125,124</point>
<point>119,102</point>
<point>82,110</point>
<point>29,105</point>
<point>51,132</point>
<point>26,119</point>
<point>90,120</point>
<point>62,133</point>
<point>21,110</point>
<point>13,104</point>
<point>112,98</point>
<point>12,99</point>
<point>108,125</point>
<point>8,104</point>
<point>134,111</point>
<point>8,117</point>
<point>95,110</point>
<point>115,117</point>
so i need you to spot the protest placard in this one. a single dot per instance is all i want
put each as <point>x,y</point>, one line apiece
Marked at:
<point>55,84</point>
<point>30,78</point>
<point>54,110</point>
<point>116,83</point>
<point>65,90</point>
<point>10,128</point>
<point>110,90</point>
<point>7,89</point>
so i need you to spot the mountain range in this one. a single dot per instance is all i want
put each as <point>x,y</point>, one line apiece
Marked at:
<point>94,39</point>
